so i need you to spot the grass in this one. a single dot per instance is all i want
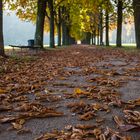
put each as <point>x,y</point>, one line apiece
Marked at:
<point>131,46</point>
<point>46,47</point>
<point>126,47</point>
<point>23,58</point>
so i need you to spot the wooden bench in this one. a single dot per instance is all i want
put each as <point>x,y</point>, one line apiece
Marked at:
<point>25,47</point>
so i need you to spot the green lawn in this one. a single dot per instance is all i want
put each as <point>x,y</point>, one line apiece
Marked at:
<point>125,45</point>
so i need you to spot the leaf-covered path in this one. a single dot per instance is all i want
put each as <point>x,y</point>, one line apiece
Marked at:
<point>88,92</point>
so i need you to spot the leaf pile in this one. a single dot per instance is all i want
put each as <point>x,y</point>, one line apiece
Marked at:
<point>85,132</point>
<point>21,108</point>
<point>87,111</point>
<point>24,94</point>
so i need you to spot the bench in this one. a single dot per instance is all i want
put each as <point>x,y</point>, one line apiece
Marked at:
<point>24,47</point>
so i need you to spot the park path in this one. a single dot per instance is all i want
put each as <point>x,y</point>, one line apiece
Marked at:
<point>92,87</point>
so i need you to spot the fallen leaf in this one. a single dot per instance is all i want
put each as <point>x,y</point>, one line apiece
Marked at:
<point>2,91</point>
<point>87,116</point>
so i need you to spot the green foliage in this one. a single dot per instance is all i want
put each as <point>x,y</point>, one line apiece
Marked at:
<point>81,15</point>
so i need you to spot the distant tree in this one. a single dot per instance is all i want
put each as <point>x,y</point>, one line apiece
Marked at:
<point>73,19</point>
<point>51,20</point>
<point>101,26</point>
<point>119,22</point>
<point>1,30</point>
<point>107,26</point>
<point>58,21</point>
<point>136,6</point>
<point>124,9</point>
<point>41,10</point>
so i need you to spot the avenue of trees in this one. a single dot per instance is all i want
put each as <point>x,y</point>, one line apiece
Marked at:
<point>73,20</point>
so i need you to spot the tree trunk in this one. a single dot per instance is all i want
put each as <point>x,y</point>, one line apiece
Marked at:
<point>92,41</point>
<point>39,34</point>
<point>107,28</point>
<point>101,28</point>
<point>119,23</point>
<point>59,34</point>
<point>65,32</point>
<point>72,40</point>
<point>1,31</point>
<point>94,37</point>
<point>59,27</point>
<point>66,38</point>
<point>65,27</point>
<point>87,39</point>
<point>51,8</point>
<point>136,6</point>
<point>98,39</point>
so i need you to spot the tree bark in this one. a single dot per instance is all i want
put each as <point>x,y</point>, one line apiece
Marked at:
<point>107,28</point>
<point>65,28</point>
<point>136,6</point>
<point>92,41</point>
<point>119,23</point>
<point>39,34</point>
<point>87,39</point>
<point>65,33</point>
<point>101,28</point>
<point>59,34</point>
<point>51,8</point>
<point>59,27</point>
<point>94,37</point>
<point>98,39</point>
<point>66,38</point>
<point>1,30</point>
<point>72,40</point>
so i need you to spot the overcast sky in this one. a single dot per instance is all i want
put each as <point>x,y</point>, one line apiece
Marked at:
<point>18,32</point>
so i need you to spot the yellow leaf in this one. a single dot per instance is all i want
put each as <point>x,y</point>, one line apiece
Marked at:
<point>78,91</point>
<point>2,91</point>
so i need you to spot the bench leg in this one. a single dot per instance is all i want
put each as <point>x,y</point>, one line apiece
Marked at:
<point>13,50</point>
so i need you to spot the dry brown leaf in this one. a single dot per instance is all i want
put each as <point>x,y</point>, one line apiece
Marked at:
<point>118,121</point>
<point>124,127</point>
<point>23,131</point>
<point>85,127</point>
<point>2,91</point>
<point>87,116</point>
<point>5,107</point>
<point>16,126</point>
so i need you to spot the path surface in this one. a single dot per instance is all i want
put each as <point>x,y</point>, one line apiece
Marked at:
<point>88,85</point>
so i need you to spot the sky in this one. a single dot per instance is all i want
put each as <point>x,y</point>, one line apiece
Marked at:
<point>17,32</point>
